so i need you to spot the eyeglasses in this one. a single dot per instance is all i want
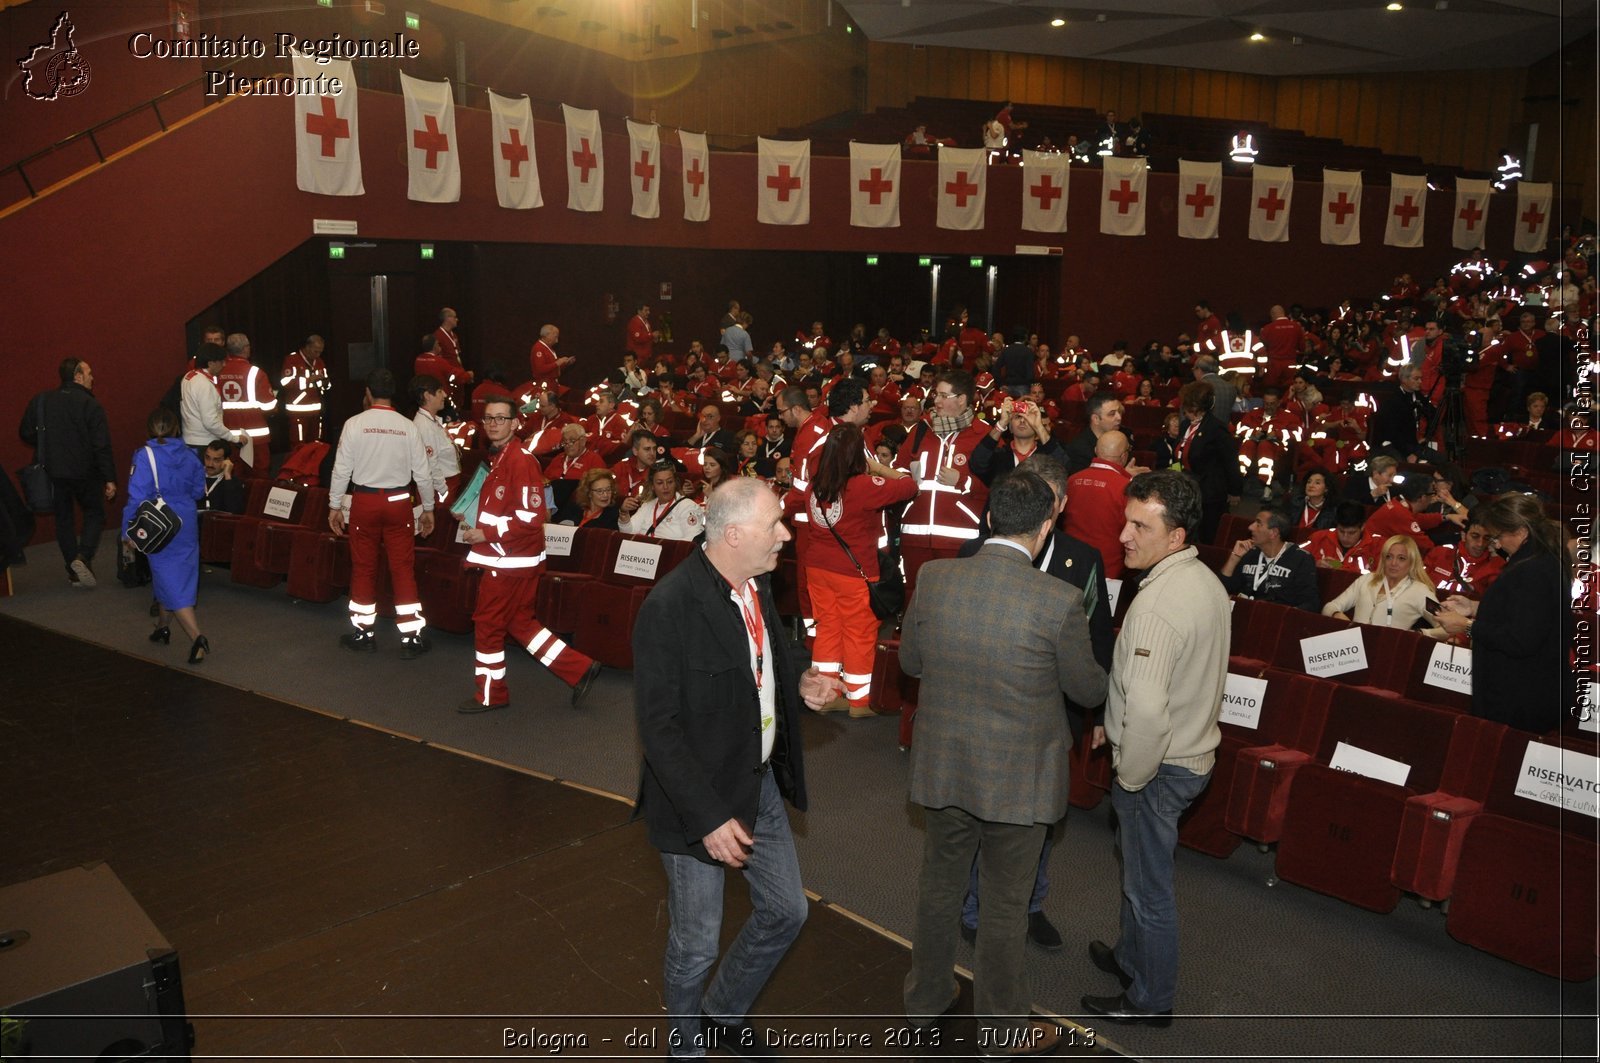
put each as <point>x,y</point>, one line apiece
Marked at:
<point>497,419</point>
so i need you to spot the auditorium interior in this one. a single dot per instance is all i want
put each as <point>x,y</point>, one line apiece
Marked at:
<point>341,865</point>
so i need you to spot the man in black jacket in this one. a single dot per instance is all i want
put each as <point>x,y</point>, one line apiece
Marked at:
<point>67,429</point>
<point>1401,415</point>
<point>717,699</point>
<point>1210,454</point>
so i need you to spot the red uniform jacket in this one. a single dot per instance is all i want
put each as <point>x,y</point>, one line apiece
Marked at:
<point>640,341</point>
<point>561,467</point>
<point>1394,517</point>
<point>449,346</point>
<point>511,514</point>
<point>1324,546</point>
<point>629,477</point>
<point>940,516</point>
<point>858,516</point>
<point>808,440</point>
<point>1454,571</point>
<point>1095,511</point>
<point>542,364</point>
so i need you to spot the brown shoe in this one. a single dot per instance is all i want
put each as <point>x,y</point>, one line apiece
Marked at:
<point>1038,1038</point>
<point>838,704</point>
<point>862,712</point>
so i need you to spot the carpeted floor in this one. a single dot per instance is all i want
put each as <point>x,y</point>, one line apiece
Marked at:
<point>1269,971</point>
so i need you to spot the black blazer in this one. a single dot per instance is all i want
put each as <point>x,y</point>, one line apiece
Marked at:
<point>1214,459</point>
<point>1394,424</point>
<point>1520,675</point>
<point>695,702</point>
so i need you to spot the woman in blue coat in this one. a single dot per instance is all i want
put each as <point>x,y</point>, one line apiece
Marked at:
<point>176,568</point>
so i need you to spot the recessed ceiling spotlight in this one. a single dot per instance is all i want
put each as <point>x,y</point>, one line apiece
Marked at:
<point>1100,18</point>
<point>1258,36</point>
<point>1395,7</point>
<point>1058,22</point>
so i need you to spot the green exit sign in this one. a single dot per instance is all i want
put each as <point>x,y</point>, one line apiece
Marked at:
<point>872,260</point>
<point>427,252</point>
<point>335,250</point>
<point>324,3</point>
<point>925,260</point>
<point>413,20</point>
<point>975,262</point>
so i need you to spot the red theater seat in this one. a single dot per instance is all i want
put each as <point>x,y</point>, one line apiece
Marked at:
<point>1433,825</point>
<point>1291,717</point>
<point>604,628</point>
<point>447,588</point>
<point>319,566</point>
<point>567,579</point>
<point>1340,829</point>
<point>217,530</point>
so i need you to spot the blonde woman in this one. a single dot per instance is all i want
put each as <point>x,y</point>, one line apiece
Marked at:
<point>1395,595</point>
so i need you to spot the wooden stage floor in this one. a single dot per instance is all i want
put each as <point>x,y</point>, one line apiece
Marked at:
<point>338,891</point>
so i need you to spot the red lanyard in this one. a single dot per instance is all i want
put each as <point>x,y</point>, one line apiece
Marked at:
<point>757,629</point>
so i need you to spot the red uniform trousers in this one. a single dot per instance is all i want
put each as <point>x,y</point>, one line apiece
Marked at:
<point>304,427</point>
<point>1262,460</point>
<point>380,521</point>
<point>505,607</point>
<point>916,555</point>
<point>1476,400</point>
<point>802,585</point>
<point>847,631</point>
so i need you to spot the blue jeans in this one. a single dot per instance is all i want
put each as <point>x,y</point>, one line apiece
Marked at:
<point>1147,837</point>
<point>1041,886</point>
<point>694,904</point>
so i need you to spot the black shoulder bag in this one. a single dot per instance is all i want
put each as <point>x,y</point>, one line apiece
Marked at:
<point>154,524</point>
<point>38,492</point>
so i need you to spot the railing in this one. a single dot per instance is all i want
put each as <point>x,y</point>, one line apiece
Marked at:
<point>94,135</point>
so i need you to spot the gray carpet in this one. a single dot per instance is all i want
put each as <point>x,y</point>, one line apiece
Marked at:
<point>1269,971</point>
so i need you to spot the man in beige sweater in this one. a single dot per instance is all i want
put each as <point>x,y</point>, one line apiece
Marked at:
<point>1167,675</point>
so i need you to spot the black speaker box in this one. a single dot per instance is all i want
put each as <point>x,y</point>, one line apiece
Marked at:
<point>85,974</point>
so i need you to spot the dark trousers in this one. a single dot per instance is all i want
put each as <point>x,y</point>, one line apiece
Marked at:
<point>88,496</point>
<point>1008,860</point>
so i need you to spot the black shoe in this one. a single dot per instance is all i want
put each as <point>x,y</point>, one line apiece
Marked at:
<point>473,705</point>
<point>198,651</point>
<point>735,1038</point>
<point>1104,957</point>
<point>162,635</point>
<point>1042,933</point>
<point>1120,1009</point>
<point>955,998</point>
<point>969,934</point>
<point>359,642</point>
<point>580,689</point>
<point>155,608</point>
<point>414,646</point>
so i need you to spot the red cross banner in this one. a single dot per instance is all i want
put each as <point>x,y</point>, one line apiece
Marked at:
<point>516,174</point>
<point>1199,199</point>
<point>585,160</point>
<point>644,168</point>
<point>783,182</point>
<point>432,153</point>
<point>1122,196</point>
<point>1408,200</point>
<point>1341,207</point>
<point>696,176</point>
<point>1044,191</point>
<point>875,185</point>
<point>1472,214</point>
<point>327,149</point>
<point>1271,194</point>
<point>963,182</point>
<point>1532,224</point>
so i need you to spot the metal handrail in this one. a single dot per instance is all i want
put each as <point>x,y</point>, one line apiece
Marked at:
<point>154,104</point>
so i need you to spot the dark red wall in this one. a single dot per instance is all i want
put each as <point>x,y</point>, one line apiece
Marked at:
<point>119,263</point>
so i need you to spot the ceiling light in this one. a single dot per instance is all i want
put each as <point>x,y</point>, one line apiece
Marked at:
<point>1258,36</point>
<point>1058,22</point>
<point>1395,7</point>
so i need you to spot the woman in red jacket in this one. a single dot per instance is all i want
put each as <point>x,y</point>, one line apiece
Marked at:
<point>846,500</point>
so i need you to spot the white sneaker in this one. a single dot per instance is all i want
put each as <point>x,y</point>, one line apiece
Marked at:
<point>80,568</point>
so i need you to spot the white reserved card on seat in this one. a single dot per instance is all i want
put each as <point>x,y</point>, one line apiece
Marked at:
<point>1334,653</point>
<point>1450,667</point>
<point>1564,778</point>
<point>280,503</point>
<point>1347,757</point>
<point>558,539</point>
<point>1242,698</point>
<point>638,559</point>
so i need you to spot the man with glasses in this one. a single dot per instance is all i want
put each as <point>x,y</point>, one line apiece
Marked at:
<point>944,514</point>
<point>507,543</point>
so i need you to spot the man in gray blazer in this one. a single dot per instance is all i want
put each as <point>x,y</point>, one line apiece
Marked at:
<point>996,643</point>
